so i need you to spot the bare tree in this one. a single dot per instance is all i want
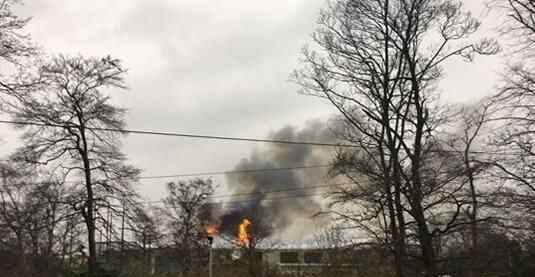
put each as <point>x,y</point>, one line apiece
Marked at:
<point>520,22</point>
<point>15,46</point>
<point>31,214</point>
<point>69,235</point>
<point>70,114</point>
<point>514,138</point>
<point>473,124</point>
<point>145,225</point>
<point>48,215</point>
<point>186,206</point>
<point>337,255</point>
<point>14,43</point>
<point>374,65</point>
<point>468,142</point>
<point>15,216</point>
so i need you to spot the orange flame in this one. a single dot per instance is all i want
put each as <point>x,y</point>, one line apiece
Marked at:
<point>243,236</point>
<point>211,230</point>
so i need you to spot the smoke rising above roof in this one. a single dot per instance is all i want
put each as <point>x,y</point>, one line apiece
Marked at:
<point>300,201</point>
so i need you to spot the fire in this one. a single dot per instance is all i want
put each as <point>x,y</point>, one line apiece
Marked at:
<point>243,236</point>
<point>211,230</point>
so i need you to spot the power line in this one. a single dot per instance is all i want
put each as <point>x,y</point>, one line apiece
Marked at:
<point>233,172</point>
<point>260,195</point>
<point>226,138</point>
<point>248,200</point>
<point>303,187</point>
<point>278,191</point>
<point>254,199</point>
<point>245,171</point>
<point>186,135</point>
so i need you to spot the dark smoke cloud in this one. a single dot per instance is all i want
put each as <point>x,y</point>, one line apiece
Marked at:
<point>281,214</point>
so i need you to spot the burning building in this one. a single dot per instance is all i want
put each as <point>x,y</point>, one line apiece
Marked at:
<point>245,225</point>
<point>238,255</point>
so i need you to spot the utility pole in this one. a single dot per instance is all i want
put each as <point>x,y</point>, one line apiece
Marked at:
<point>210,258</point>
<point>122,232</point>
<point>71,241</point>
<point>108,230</point>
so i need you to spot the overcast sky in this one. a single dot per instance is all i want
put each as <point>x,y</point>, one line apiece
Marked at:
<point>207,67</point>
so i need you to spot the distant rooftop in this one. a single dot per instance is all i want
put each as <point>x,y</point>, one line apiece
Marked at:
<point>289,244</point>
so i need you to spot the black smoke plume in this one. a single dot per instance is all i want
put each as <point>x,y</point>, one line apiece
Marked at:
<point>297,197</point>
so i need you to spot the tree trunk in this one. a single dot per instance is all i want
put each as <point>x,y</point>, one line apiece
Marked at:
<point>474,236</point>
<point>90,223</point>
<point>90,205</point>
<point>398,263</point>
